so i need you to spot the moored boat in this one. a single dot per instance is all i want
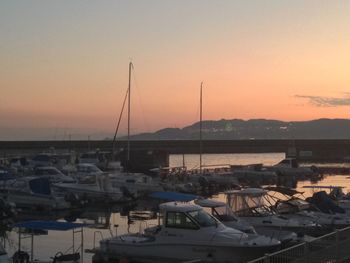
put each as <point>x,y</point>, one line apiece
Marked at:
<point>186,232</point>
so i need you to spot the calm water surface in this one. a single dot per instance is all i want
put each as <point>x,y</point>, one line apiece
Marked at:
<point>46,246</point>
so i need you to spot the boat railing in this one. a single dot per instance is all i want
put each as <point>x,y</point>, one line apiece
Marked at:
<point>332,247</point>
<point>100,235</point>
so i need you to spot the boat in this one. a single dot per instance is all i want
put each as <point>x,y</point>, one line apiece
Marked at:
<point>250,204</point>
<point>137,183</point>
<point>32,193</point>
<point>82,171</point>
<point>290,167</point>
<point>222,212</point>
<point>292,205</point>
<point>53,174</point>
<point>253,173</point>
<point>185,232</point>
<point>97,189</point>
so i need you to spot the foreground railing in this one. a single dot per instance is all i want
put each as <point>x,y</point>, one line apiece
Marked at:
<point>330,248</point>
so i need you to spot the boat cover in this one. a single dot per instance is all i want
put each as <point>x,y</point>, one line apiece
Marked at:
<point>174,196</point>
<point>283,190</point>
<point>49,225</point>
<point>325,203</point>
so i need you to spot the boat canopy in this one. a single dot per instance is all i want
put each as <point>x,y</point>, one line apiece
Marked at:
<point>323,187</point>
<point>49,225</point>
<point>209,203</point>
<point>179,207</point>
<point>174,196</point>
<point>283,190</point>
<point>248,191</point>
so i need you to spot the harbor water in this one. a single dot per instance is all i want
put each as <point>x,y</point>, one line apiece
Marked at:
<point>105,219</point>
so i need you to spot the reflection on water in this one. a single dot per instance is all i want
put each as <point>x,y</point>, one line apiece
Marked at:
<point>192,160</point>
<point>135,217</point>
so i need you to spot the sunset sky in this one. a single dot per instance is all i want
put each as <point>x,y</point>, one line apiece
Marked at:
<point>64,64</point>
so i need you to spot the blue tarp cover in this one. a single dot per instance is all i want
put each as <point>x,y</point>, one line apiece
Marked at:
<point>174,196</point>
<point>49,225</point>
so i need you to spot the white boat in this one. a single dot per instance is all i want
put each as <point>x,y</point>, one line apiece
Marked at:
<point>52,174</point>
<point>82,171</point>
<point>140,184</point>
<point>32,193</point>
<point>250,204</point>
<point>293,206</point>
<point>186,233</point>
<point>97,190</point>
<point>225,215</point>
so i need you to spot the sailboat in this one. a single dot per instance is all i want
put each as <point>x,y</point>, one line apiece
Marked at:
<point>135,183</point>
<point>114,187</point>
<point>208,176</point>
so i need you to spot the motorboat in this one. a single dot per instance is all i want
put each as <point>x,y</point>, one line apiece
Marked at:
<point>253,173</point>
<point>290,167</point>
<point>83,171</point>
<point>53,174</point>
<point>32,193</point>
<point>289,203</point>
<point>225,215</point>
<point>186,232</point>
<point>97,190</point>
<point>250,204</point>
<point>330,198</point>
<point>137,183</point>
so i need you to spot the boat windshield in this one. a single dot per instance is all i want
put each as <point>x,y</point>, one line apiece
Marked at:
<point>224,213</point>
<point>203,218</point>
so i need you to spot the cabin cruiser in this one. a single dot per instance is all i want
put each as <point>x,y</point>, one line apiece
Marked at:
<point>290,167</point>
<point>186,233</point>
<point>249,204</point>
<point>83,171</point>
<point>225,215</point>
<point>32,193</point>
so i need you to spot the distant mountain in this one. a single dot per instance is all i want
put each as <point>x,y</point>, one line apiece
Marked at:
<point>256,129</point>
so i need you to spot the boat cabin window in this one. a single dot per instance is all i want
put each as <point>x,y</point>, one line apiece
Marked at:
<point>179,220</point>
<point>203,218</point>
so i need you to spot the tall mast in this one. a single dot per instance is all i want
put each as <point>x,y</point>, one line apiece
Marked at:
<point>200,130</point>
<point>129,95</point>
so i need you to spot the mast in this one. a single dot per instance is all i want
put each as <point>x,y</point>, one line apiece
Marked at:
<point>200,130</point>
<point>131,66</point>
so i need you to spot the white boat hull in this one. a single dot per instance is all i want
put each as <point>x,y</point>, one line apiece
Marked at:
<point>180,252</point>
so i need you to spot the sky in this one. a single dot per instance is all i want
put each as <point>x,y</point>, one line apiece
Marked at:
<point>64,64</point>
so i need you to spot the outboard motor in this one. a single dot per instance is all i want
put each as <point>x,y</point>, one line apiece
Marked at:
<point>20,257</point>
